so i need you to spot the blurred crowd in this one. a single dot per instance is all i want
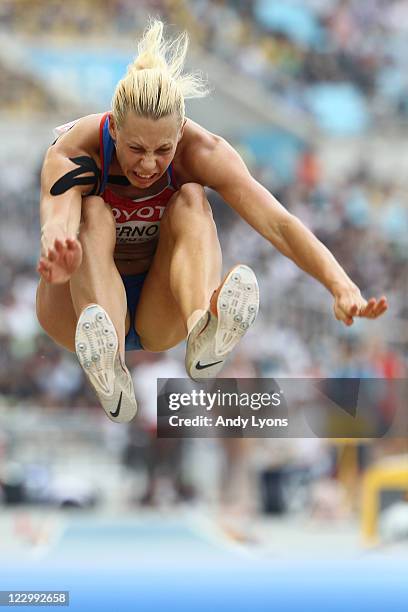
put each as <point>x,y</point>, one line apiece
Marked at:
<point>311,54</point>
<point>293,46</point>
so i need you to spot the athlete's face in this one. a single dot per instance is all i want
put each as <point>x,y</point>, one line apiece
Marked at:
<point>145,147</point>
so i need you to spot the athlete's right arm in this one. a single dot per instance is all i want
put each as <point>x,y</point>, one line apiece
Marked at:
<point>69,173</point>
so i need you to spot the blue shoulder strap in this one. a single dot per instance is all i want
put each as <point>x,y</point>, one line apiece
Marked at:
<point>171,175</point>
<point>108,146</point>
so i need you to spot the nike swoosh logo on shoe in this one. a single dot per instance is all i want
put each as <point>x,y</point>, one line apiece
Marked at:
<point>116,413</point>
<point>202,366</point>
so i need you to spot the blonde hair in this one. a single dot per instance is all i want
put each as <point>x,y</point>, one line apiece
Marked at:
<point>155,85</point>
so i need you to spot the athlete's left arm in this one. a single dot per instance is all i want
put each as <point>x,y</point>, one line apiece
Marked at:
<point>222,169</point>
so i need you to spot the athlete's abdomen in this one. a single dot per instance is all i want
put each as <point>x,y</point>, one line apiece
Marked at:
<point>134,259</point>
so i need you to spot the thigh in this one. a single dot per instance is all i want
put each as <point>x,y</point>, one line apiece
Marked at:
<point>158,320</point>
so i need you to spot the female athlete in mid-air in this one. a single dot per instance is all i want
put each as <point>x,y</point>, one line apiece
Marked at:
<point>110,280</point>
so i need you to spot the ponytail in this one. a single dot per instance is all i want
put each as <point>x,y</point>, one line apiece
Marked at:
<point>155,85</point>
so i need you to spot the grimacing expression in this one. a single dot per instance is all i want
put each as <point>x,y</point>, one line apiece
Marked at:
<point>145,147</point>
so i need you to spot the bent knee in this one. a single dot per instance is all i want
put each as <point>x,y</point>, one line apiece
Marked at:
<point>96,212</point>
<point>192,198</point>
<point>190,191</point>
<point>188,206</point>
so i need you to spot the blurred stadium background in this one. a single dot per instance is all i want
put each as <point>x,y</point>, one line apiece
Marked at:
<point>314,95</point>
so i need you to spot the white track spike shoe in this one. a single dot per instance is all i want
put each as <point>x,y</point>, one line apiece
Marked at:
<point>96,345</point>
<point>233,309</point>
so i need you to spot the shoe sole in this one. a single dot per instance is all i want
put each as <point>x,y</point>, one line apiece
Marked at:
<point>96,346</point>
<point>233,309</point>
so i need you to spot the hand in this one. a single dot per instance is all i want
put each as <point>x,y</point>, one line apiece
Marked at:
<point>349,303</point>
<point>60,261</point>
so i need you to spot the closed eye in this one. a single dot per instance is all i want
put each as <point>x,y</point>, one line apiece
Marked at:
<point>160,151</point>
